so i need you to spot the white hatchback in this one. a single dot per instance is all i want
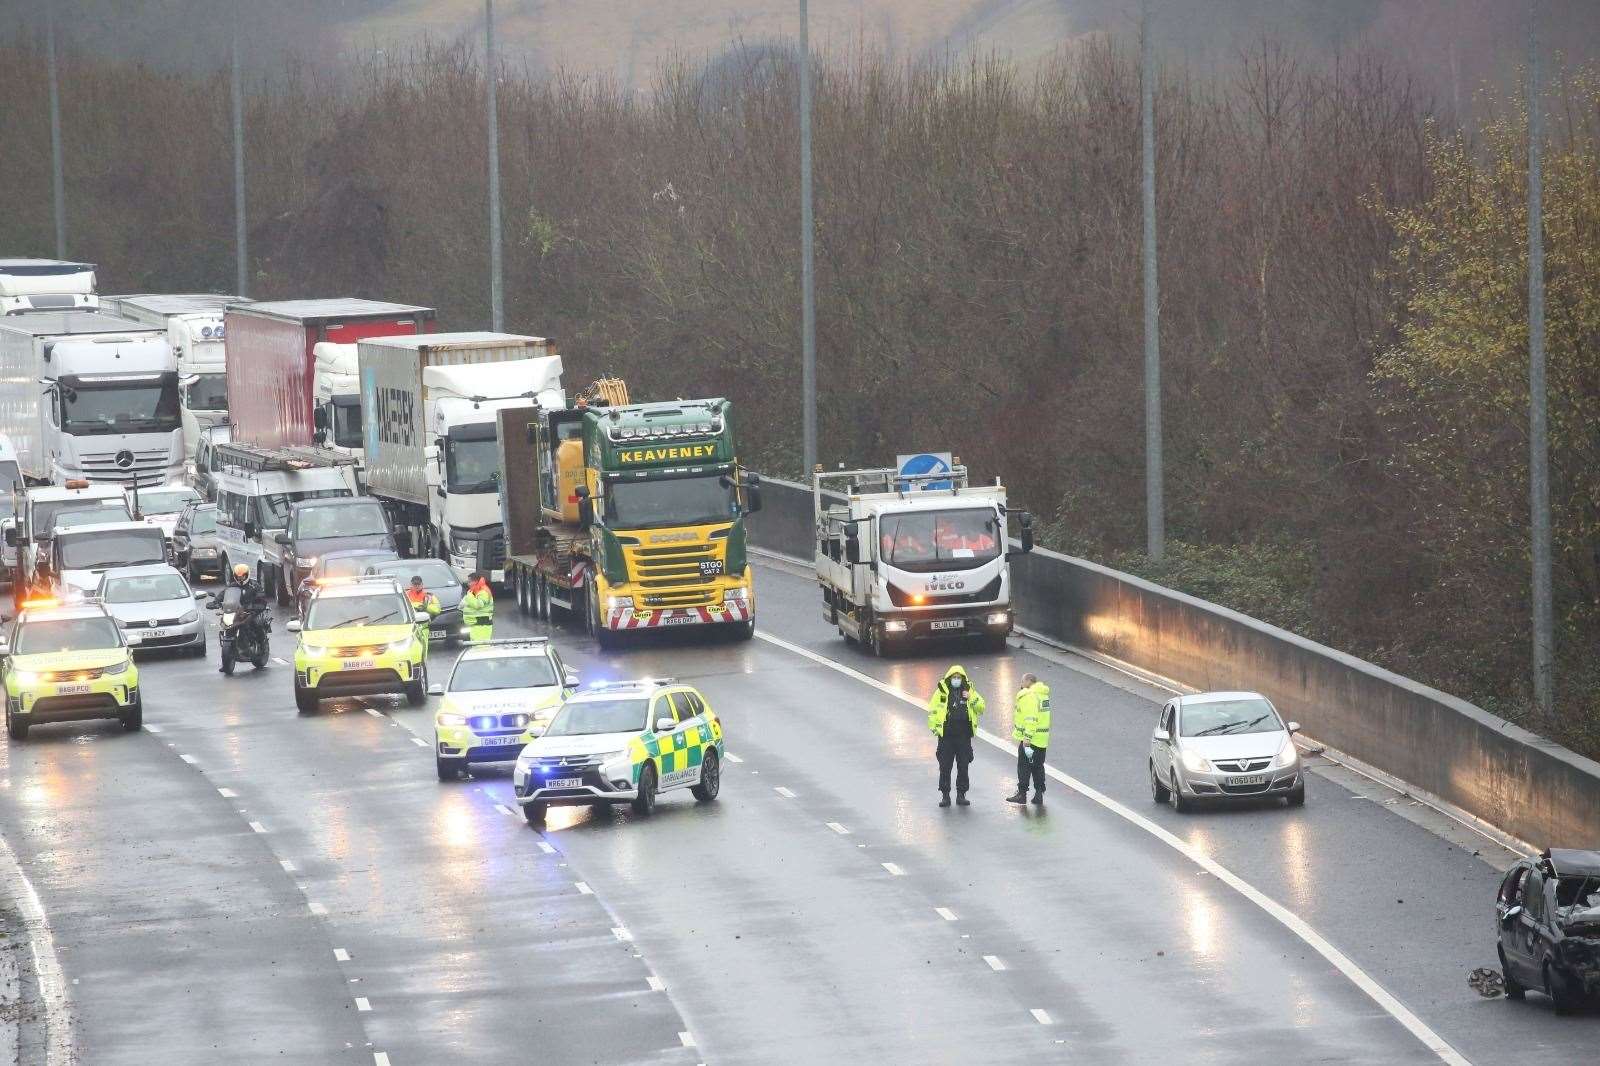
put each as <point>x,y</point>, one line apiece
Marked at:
<point>1224,745</point>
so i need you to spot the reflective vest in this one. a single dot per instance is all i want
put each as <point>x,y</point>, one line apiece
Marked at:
<point>1031,723</point>
<point>423,600</point>
<point>938,704</point>
<point>477,606</point>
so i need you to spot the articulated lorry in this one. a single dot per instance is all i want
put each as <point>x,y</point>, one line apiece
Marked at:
<point>46,285</point>
<point>628,517</point>
<point>92,396</point>
<point>274,366</point>
<point>913,557</point>
<point>428,407</point>
<point>196,332</point>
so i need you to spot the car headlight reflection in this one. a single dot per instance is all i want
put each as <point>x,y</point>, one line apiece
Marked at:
<point>1195,763</point>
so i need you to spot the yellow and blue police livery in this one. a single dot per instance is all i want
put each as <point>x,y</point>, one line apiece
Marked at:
<point>359,638</point>
<point>622,742</point>
<point>68,663</point>
<point>501,694</point>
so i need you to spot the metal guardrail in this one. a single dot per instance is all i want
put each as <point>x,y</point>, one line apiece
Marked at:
<point>1524,785</point>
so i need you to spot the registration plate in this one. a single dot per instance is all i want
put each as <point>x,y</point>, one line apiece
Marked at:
<point>564,782</point>
<point>681,620</point>
<point>72,690</point>
<point>153,634</point>
<point>1248,779</point>
<point>948,623</point>
<point>495,742</point>
<point>358,664</point>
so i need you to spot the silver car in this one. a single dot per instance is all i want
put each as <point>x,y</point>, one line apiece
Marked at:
<point>155,608</point>
<point>1224,745</point>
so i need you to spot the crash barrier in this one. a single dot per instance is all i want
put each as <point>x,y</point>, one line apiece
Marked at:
<point>1526,786</point>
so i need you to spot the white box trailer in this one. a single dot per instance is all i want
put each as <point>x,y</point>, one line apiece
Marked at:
<point>907,558</point>
<point>428,406</point>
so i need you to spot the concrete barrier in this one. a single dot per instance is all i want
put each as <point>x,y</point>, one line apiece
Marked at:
<point>1521,784</point>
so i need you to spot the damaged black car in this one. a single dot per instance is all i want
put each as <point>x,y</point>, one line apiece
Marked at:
<point>1549,927</point>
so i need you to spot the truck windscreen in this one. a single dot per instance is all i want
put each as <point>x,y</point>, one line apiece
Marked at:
<point>923,541</point>
<point>472,466</point>
<point>141,405</point>
<point>684,501</point>
<point>98,551</point>
<point>209,393</point>
<point>347,421</point>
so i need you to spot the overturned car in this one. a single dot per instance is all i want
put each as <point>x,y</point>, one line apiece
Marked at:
<point>1549,927</point>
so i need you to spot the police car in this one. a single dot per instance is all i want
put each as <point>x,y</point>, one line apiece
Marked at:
<point>68,663</point>
<point>359,638</point>
<point>622,742</point>
<point>501,694</point>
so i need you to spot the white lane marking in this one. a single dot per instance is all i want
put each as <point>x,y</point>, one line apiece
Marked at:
<point>894,869</point>
<point>46,966</point>
<point>656,983</point>
<point>994,963</point>
<point>257,827</point>
<point>1285,917</point>
<point>620,933</point>
<point>280,662</point>
<point>341,955</point>
<point>1040,1016</point>
<point>837,828</point>
<point>152,728</point>
<point>374,712</point>
<point>380,1058</point>
<point>686,1040</point>
<point>546,848</point>
<point>419,742</point>
<point>584,889</point>
<point>316,908</point>
<point>503,809</point>
<point>946,913</point>
<point>363,1003</point>
<point>227,793</point>
<point>288,865</point>
<point>190,759</point>
<point>733,758</point>
<point>785,793</point>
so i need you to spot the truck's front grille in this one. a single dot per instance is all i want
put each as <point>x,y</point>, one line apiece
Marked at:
<point>674,567</point>
<point>149,467</point>
<point>678,598</point>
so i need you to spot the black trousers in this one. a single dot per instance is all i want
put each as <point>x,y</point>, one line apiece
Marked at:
<point>957,750</point>
<point>1027,767</point>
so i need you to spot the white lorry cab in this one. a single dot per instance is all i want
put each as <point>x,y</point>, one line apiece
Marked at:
<point>92,396</point>
<point>904,558</point>
<point>194,324</point>
<point>34,525</point>
<point>46,285</point>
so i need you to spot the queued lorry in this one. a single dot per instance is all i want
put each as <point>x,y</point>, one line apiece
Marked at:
<point>904,557</point>
<point>196,331</point>
<point>628,517</point>
<point>428,405</point>
<point>92,396</point>
<point>273,367</point>
<point>28,285</point>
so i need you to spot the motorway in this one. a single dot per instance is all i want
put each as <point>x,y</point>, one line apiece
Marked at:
<point>243,884</point>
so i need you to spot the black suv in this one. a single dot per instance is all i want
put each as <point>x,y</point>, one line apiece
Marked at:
<point>320,526</point>
<point>1549,927</point>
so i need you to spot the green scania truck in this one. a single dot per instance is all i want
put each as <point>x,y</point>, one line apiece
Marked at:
<point>626,517</point>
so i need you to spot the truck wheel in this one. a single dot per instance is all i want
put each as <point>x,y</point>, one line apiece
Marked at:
<point>742,631</point>
<point>542,608</point>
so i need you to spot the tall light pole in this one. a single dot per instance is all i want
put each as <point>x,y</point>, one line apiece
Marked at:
<point>1155,521</point>
<point>808,288</point>
<point>496,299</point>
<point>1538,423</point>
<point>59,183</point>
<point>240,250</point>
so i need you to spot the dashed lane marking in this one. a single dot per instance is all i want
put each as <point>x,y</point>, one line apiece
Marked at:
<point>280,662</point>
<point>374,712</point>
<point>380,1058</point>
<point>419,742</point>
<point>686,1040</point>
<point>152,728</point>
<point>1040,1016</point>
<point>363,1003</point>
<point>734,758</point>
<point>656,983</point>
<point>894,869</point>
<point>785,793</point>
<point>190,759</point>
<point>994,963</point>
<point>583,888</point>
<point>621,933</point>
<point>546,847</point>
<point>227,793</point>
<point>837,828</point>
<point>317,908</point>
<point>257,827</point>
<point>341,955</point>
<point>503,809</point>
<point>1285,917</point>
<point>946,913</point>
<point>288,865</point>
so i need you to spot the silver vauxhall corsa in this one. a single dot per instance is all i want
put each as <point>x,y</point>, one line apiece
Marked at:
<point>1224,745</point>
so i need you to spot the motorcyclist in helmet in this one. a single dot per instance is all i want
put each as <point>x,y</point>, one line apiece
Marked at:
<point>251,599</point>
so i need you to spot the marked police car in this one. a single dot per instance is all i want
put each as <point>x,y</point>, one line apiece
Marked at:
<point>501,694</point>
<point>359,638</point>
<point>68,663</point>
<point>622,742</point>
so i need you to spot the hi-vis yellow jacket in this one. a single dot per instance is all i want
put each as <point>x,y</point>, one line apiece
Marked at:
<point>938,704</point>
<point>1031,723</point>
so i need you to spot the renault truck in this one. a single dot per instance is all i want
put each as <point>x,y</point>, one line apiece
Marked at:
<point>628,518</point>
<point>428,405</point>
<point>87,395</point>
<point>906,558</point>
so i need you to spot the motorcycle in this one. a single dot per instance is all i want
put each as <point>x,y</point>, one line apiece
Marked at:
<point>243,633</point>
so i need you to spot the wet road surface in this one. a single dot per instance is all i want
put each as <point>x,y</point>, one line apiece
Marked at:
<point>302,889</point>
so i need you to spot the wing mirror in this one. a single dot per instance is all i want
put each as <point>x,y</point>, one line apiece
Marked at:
<point>585,507</point>
<point>852,545</point>
<point>1293,727</point>
<point>11,536</point>
<point>1510,915</point>
<point>201,595</point>
<point>752,493</point>
<point>421,617</point>
<point>282,538</point>
<point>5,648</point>
<point>436,690</point>
<point>1161,736</point>
<point>665,725</point>
<point>1026,524</point>
<point>571,680</point>
<point>293,625</point>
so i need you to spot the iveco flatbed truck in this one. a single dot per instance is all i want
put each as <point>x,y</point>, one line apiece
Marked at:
<point>914,557</point>
<point>632,517</point>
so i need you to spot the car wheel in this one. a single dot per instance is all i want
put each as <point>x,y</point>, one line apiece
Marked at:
<point>1159,792</point>
<point>710,778</point>
<point>1557,987</point>
<point>645,802</point>
<point>1514,989</point>
<point>534,813</point>
<point>199,651</point>
<point>449,769</point>
<point>1297,796</point>
<point>417,691</point>
<point>133,717</point>
<point>1180,803</point>
<point>16,726</point>
<point>305,700</point>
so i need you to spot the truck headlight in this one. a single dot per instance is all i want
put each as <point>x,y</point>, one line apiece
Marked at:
<point>738,592</point>
<point>618,603</point>
<point>894,626</point>
<point>1195,763</point>
<point>1287,757</point>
